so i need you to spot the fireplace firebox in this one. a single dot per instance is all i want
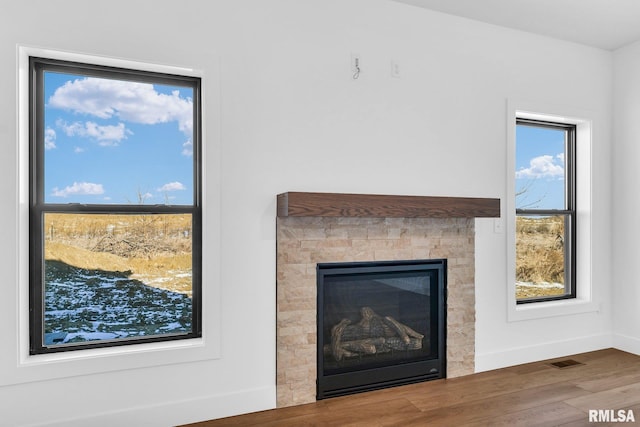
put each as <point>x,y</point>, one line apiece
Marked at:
<point>380,324</point>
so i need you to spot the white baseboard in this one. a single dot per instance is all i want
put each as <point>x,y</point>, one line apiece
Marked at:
<point>549,350</point>
<point>178,412</point>
<point>626,343</point>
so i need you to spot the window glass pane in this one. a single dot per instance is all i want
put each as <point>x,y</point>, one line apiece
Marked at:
<point>110,141</point>
<point>540,255</point>
<point>540,168</point>
<point>109,277</point>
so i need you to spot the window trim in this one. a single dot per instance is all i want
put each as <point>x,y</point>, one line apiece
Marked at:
<point>586,131</point>
<point>569,210</point>
<point>20,366</point>
<point>38,206</point>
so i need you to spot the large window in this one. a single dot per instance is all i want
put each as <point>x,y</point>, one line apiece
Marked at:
<point>545,211</point>
<point>115,212</point>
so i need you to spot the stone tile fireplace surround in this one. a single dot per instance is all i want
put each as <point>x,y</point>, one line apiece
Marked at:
<point>321,227</point>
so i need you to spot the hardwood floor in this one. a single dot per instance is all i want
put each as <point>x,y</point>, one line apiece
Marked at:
<point>535,394</point>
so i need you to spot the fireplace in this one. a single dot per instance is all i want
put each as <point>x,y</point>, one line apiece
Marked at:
<point>379,324</point>
<point>329,228</point>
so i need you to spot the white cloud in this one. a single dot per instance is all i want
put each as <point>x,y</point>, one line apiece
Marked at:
<point>49,139</point>
<point>172,186</point>
<point>187,148</point>
<point>79,189</point>
<point>105,135</point>
<point>545,166</point>
<point>129,101</point>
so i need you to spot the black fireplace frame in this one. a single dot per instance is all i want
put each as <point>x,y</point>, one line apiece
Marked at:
<point>342,383</point>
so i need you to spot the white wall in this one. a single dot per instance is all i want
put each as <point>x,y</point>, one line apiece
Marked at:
<point>293,119</point>
<point>626,178</point>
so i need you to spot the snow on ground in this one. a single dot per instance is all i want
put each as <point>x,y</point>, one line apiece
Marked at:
<point>99,305</point>
<point>542,285</point>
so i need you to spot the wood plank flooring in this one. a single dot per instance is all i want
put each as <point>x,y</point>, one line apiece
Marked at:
<point>535,394</point>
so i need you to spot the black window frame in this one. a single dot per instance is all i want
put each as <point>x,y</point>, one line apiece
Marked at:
<point>569,211</point>
<point>37,206</point>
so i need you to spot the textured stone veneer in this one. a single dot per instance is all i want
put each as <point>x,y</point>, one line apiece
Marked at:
<point>304,242</point>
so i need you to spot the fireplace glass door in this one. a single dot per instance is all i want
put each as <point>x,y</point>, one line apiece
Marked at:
<point>380,324</point>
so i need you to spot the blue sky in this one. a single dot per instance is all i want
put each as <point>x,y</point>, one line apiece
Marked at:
<point>540,168</point>
<point>117,142</point>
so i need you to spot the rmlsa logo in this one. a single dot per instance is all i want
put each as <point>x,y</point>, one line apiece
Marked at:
<point>611,416</point>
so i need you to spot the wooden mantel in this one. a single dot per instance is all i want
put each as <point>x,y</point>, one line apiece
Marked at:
<point>298,204</point>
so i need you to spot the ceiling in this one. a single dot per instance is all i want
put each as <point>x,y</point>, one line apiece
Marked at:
<point>605,24</point>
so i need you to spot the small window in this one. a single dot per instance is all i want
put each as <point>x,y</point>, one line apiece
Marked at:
<point>115,206</point>
<point>545,211</point>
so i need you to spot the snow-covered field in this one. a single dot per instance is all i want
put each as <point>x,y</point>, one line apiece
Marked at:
<point>541,285</point>
<point>538,290</point>
<point>84,305</point>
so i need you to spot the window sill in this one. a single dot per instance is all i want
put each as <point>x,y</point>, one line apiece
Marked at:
<point>74,363</point>
<point>541,310</point>
<point>44,359</point>
<point>86,362</point>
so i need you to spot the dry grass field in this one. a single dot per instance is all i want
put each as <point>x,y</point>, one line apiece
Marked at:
<point>156,249</point>
<point>539,256</point>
